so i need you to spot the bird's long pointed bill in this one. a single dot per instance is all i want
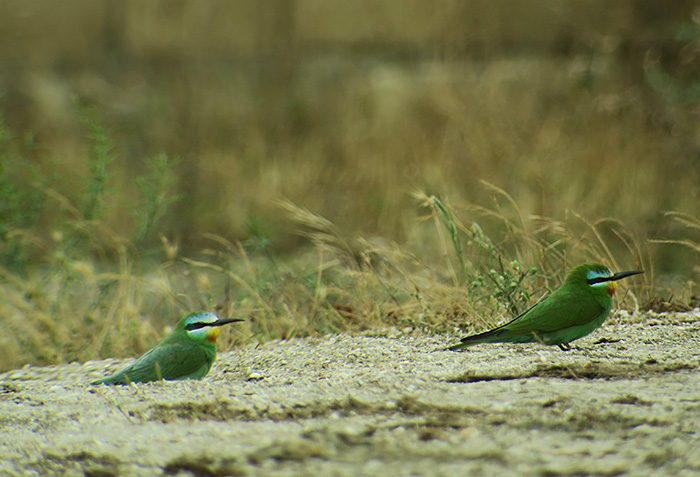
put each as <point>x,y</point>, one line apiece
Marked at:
<point>621,275</point>
<point>224,321</point>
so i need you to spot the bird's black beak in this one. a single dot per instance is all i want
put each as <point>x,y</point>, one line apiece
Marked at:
<point>621,275</point>
<point>224,321</point>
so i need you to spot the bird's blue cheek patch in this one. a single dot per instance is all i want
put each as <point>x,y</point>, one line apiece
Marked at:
<point>593,274</point>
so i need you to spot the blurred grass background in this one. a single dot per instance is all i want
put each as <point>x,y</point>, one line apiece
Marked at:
<point>323,166</point>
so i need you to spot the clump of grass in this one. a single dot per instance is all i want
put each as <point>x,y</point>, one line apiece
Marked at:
<point>531,255</point>
<point>504,283</point>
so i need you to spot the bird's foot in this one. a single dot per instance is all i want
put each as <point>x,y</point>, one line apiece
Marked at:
<point>564,346</point>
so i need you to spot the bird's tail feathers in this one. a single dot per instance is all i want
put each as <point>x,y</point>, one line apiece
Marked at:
<point>493,336</point>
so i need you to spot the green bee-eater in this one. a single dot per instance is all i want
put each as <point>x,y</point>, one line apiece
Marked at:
<point>187,353</point>
<point>571,312</point>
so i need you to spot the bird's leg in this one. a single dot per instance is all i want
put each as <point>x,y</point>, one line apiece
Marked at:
<point>564,346</point>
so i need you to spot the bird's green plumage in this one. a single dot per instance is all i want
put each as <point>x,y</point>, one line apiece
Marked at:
<point>571,312</point>
<point>185,354</point>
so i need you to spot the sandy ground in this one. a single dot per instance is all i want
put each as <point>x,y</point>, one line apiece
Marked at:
<point>625,400</point>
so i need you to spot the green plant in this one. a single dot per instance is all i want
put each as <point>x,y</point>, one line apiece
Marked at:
<point>101,154</point>
<point>485,272</point>
<point>22,198</point>
<point>155,190</point>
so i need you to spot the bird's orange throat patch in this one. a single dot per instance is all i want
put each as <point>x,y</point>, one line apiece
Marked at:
<point>212,335</point>
<point>612,286</point>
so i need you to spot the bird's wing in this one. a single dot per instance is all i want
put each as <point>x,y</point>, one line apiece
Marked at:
<point>174,360</point>
<point>552,314</point>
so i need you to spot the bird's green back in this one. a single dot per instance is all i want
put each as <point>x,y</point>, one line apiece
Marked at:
<point>176,357</point>
<point>575,303</point>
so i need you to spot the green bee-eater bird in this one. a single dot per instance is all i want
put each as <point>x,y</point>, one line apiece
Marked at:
<point>187,353</point>
<point>571,312</point>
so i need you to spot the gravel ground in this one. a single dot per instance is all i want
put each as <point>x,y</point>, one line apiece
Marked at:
<point>624,401</point>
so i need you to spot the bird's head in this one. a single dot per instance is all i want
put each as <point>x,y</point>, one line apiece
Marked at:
<point>203,326</point>
<point>598,277</point>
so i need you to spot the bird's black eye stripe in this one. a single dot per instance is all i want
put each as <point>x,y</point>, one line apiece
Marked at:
<point>196,326</point>
<point>593,281</point>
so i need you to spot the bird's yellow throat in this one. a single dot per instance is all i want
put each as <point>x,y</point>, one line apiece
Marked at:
<point>212,335</point>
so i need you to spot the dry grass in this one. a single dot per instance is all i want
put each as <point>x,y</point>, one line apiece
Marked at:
<point>337,192</point>
<point>70,309</point>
